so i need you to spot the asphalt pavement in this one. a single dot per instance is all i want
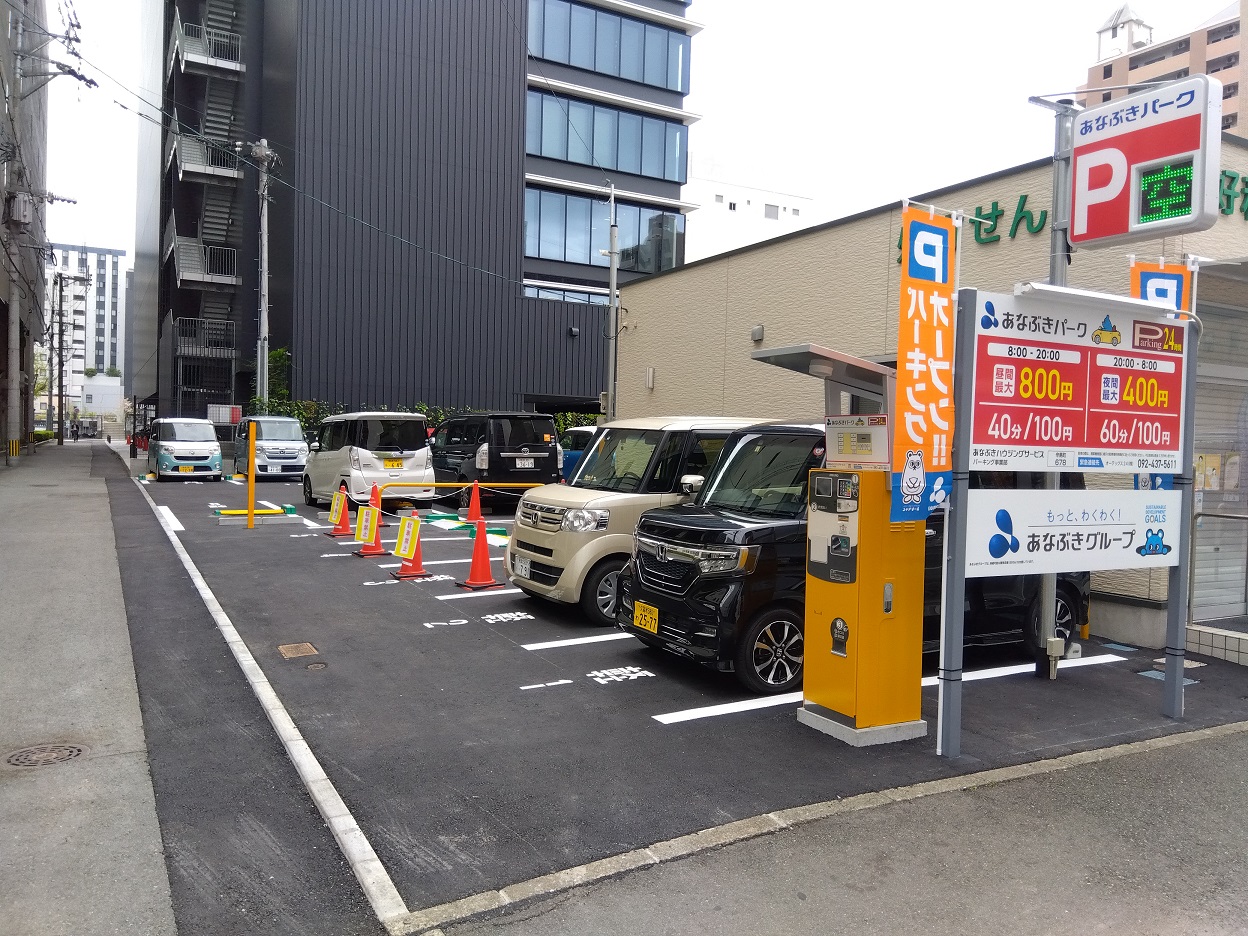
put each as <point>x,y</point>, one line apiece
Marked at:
<point>489,749</point>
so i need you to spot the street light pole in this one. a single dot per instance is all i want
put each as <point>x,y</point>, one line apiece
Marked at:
<point>264,157</point>
<point>613,313</point>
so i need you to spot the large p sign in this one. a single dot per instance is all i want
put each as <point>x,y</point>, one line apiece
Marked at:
<point>1100,177</point>
<point>929,252</point>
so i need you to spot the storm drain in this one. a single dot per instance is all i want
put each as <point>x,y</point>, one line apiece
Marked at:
<point>290,651</point>
<point>41,755</point>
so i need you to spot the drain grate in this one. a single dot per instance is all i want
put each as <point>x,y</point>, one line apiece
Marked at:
<point>41,755</point>
<point>292,650</point>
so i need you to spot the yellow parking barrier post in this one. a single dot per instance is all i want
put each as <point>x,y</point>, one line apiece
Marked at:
<point>251,475</point>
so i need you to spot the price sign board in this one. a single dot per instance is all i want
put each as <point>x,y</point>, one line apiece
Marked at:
<point>1064,382</point>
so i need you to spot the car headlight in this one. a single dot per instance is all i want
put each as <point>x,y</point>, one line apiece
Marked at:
<point>582,520</point>
<point>737,559</point>
<point>215,450</point>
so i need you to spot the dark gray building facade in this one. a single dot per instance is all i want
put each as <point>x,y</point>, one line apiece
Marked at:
<point>438,213</point>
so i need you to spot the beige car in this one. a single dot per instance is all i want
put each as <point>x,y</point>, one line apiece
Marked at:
<point>571,540</point>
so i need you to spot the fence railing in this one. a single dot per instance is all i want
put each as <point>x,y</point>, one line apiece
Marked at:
<point>217,42</point>
<point>220,261</point>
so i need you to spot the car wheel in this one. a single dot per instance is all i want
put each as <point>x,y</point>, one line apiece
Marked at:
<point>769,654</point>
<point>465,494</point>
<point>599,591</point>
<point>1065,622</point>
<point>308,497</point>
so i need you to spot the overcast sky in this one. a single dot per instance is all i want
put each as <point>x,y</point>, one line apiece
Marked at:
<point>854,104</point>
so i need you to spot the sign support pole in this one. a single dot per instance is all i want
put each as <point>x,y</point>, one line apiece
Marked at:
<point>1178,595</point>
<point>953,614</point>
<point>1059,249</point>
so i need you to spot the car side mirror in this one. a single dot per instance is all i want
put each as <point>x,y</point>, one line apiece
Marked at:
<point>691,484</point>
<point>314,447</point>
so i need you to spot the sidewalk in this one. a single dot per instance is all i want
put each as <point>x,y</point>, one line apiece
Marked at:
<point>80,849</point>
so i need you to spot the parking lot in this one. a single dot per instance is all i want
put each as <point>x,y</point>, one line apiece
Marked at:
<point>482,738</point>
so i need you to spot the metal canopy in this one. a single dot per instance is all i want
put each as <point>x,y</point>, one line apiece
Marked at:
<point>841,372</point>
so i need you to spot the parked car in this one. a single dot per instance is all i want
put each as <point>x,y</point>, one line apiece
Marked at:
<point>503,448</point>
<point>280,448</point>
<point>574,442</point>
<point>722,580</point>
<point>183,448</point>
<point>363,449</point>
<point>571,540</point>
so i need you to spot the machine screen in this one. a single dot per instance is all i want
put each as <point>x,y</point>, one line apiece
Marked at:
<point>823,486</point>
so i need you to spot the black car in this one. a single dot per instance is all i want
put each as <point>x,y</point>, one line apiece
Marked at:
<point>496,448</point>
<point>722,580</point>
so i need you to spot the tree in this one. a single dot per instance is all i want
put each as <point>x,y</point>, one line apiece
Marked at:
<point>40,386</point>
<point>113,372</point>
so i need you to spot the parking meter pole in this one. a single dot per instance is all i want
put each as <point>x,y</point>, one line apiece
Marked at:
<point>251,475</point>
<point>953,614</point>
<point>1058,252</point>
<point>1179,594</point>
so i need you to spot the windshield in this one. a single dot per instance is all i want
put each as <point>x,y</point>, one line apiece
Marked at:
<point>514,431</point>
<point>390,435</point>
<point>279,430</point>
<point>617,460</point>
<point>764,475</point>
<point>186,432</point>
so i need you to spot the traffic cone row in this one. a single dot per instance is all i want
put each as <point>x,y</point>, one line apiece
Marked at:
<point>414,567</point>
<point>374,500</point>
<point>480,574</point>
<point>474,504</point>
<point>370,550</point>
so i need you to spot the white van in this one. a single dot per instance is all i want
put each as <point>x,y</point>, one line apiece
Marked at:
<point>571,540</point>
<point>280,449</point>
<point>363,449</point>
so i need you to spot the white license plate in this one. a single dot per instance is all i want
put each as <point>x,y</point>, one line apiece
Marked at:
<point>524,463</point>
<point>520,565</point>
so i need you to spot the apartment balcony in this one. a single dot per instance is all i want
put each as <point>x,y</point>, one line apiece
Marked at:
<point>197,265</point>
<point>204,338</point>
<point>201,160</point>
<point>202,50</point>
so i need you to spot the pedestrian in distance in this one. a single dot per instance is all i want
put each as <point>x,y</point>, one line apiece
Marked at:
<point>73,432</point>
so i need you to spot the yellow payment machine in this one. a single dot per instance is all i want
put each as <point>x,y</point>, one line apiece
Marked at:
<point>864,612</point>
<point>864,574</point>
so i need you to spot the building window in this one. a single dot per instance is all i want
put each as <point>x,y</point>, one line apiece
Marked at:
<point>596,40</point>
<point>732,206</point>
<point>1107,95</point>
<point>771,212</point>
<point>797,212</point>
<point>64,258</point>
<point>719,199</point>
<point>1229,121</point>
<point>591,134</point>
<point>565,295</point>
<point>576,229</point>
<point>1230,90</point>
<point>87,397</point>
<point>1107,71</point>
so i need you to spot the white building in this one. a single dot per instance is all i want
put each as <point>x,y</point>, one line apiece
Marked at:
<point>732,215</point>
<point>94,310</point>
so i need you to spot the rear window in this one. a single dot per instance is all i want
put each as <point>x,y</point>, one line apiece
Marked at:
<point>515,431</point>
<point>389,435</point>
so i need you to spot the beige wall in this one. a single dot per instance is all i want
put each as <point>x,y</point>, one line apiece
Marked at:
<point>838,286</point>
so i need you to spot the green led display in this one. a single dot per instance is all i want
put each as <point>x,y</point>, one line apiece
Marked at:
<point>1166,192</point>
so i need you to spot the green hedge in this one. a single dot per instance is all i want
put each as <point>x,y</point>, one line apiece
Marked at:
<point>42,435</point>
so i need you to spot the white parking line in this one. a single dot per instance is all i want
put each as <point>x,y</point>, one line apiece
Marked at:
<point>173,521</point>
<point>313,525</point>
<point>542,685</point>
<point>795,698</point>
<point>551,644</point>
<point>232,481</point>
<point>479,594</point>
<point>268,504</point>
<point>395,565</point>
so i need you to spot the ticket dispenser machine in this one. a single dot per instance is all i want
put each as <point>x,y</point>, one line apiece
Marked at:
<point>864,574</point>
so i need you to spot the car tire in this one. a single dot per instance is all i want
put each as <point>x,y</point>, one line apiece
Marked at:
<point>1066,623</point>
<point>769,652</point>
<point>600,589</point>
<point>308,497</point>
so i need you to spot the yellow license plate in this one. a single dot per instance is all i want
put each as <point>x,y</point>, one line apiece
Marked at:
<point>646,617</point>
<point>393,462</point>
<point>186,468</point>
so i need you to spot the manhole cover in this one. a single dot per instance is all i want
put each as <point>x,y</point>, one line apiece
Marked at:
<point>292,650</point>
<point>43,754</point>
<point>316,666</point>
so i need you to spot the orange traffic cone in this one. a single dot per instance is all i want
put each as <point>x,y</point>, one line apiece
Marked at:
<point>479,573</point>
<point>374,500</point>
<point>343,526</point>
<point>374,548</point>
<point>474,505</point>
<point>414,567</point>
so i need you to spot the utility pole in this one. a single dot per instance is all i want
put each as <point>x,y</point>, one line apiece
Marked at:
<point>613,310</point>
<point>60,359</point>
<point>265,159</point>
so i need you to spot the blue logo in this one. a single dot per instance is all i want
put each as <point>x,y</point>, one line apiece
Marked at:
<point>1005,541</point>
<point>1090,461</point>
<point>929,252</point>
<point>1153,545</point>
<point>989,318</point>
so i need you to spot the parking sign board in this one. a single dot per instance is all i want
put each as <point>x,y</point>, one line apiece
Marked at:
<point>1078,385</point>
<point>1147,165</point>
